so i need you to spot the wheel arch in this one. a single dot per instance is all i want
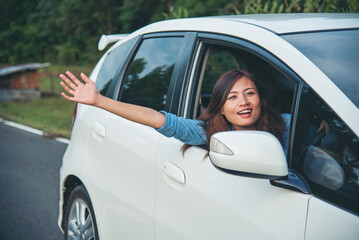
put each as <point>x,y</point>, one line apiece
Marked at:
<point>69,185</point>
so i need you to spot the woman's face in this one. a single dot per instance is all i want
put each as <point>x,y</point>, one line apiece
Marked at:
<point>242,107</point>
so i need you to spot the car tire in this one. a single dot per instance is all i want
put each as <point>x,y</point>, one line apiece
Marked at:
<point>80,218</point>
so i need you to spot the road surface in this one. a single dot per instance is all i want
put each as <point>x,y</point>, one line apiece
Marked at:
<point>29,185</point>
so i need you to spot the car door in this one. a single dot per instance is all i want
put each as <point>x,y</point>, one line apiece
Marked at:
<point>326,146</point>
<point>121,153</point>
<point>326,153</point>
<point>194,199</point>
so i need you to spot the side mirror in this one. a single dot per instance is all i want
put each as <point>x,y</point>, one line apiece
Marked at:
<point>322,168</point>
<point>248,153</point>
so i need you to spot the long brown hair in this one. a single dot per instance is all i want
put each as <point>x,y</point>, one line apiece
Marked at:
<point>214,121</point>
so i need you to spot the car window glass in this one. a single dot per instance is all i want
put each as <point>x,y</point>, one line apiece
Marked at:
<point>220,60</point>
<point>148,77</point>
<point>337,56</point>
<point>110,66</point>
<point>326,152</point>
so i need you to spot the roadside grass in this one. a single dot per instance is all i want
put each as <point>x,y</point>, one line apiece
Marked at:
<point>51,113</point>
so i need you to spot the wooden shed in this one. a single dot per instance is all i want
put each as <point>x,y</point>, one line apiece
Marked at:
<point>20,82</point>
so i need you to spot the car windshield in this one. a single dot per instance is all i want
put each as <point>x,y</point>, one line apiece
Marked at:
<point>336,53</point>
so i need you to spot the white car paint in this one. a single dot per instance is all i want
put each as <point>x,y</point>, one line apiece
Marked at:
<point>326,221</point>
<point>216,205</point>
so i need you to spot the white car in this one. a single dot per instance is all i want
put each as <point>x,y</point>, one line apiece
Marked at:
<point>123,180</point>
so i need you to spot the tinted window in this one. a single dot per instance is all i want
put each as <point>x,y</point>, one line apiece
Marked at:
<point>326,152</point>
<point>336,54</point>
<point>220,60</point>
<point>149,74</point>
<point>111,64</point>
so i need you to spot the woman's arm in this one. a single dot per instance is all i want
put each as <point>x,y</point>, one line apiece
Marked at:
<point>88,94</point>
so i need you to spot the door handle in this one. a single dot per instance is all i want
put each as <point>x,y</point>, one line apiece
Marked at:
<point>99,129</point>
<point>174,172</point>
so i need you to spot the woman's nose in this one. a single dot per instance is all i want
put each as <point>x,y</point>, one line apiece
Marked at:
<point>243,100</point>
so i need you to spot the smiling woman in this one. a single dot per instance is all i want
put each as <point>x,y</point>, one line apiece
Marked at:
<point>236,105</point>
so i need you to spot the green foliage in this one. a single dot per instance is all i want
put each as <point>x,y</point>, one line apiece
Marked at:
<point>180,13</point>
<point>67,31</point>
<point>204,7</point>
<point>351,6</point>
<point>134,14</point>
<point>295,6</point>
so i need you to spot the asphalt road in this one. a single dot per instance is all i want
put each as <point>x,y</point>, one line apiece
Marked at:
<point>29,185</point>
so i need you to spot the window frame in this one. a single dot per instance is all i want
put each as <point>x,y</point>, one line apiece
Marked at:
<point>190,82</point>
<point>131,56</point>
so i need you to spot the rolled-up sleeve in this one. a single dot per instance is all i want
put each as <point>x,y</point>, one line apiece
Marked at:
<point>188,131</point>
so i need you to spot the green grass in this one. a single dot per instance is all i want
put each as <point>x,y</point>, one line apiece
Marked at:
<point>51,113</point>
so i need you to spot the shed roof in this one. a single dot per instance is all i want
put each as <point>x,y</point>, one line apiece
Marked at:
<point>21,68</point>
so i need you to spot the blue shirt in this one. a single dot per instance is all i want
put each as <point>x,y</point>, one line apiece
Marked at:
<point>191,131</point>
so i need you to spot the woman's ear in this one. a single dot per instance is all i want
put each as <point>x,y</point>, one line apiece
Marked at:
<point>222,110</point>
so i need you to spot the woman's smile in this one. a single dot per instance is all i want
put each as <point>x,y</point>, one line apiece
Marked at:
<point>245,113</point>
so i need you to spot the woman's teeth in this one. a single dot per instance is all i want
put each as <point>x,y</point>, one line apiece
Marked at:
<point>245,111</point>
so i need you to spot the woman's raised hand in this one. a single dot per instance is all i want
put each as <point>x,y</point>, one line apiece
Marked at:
<point>79,92</point>
<point>88,94</point>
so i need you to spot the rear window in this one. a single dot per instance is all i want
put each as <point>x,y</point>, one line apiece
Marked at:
<point>336,53</point>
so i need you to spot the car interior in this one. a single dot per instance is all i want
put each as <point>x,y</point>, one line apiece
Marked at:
<point>325,152</point>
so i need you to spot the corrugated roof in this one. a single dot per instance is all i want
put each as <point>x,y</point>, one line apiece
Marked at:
<point>22,67</point>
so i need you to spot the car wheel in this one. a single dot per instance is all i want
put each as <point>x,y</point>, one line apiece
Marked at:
<point>80,218</point>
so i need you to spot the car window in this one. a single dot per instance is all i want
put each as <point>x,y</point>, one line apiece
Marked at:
<point>149,74</point>
<point>277,89</point>
<point>326,152</point>
<point>110,66</point>
<point>214,59</point>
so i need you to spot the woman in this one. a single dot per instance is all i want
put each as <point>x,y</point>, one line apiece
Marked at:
<point>235,105</point>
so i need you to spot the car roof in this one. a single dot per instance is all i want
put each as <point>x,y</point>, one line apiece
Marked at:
<point>290,23</point>
<point>283,23</point>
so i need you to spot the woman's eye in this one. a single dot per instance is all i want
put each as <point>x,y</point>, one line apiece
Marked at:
<point>232,97</point>
<point>250,93</point>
